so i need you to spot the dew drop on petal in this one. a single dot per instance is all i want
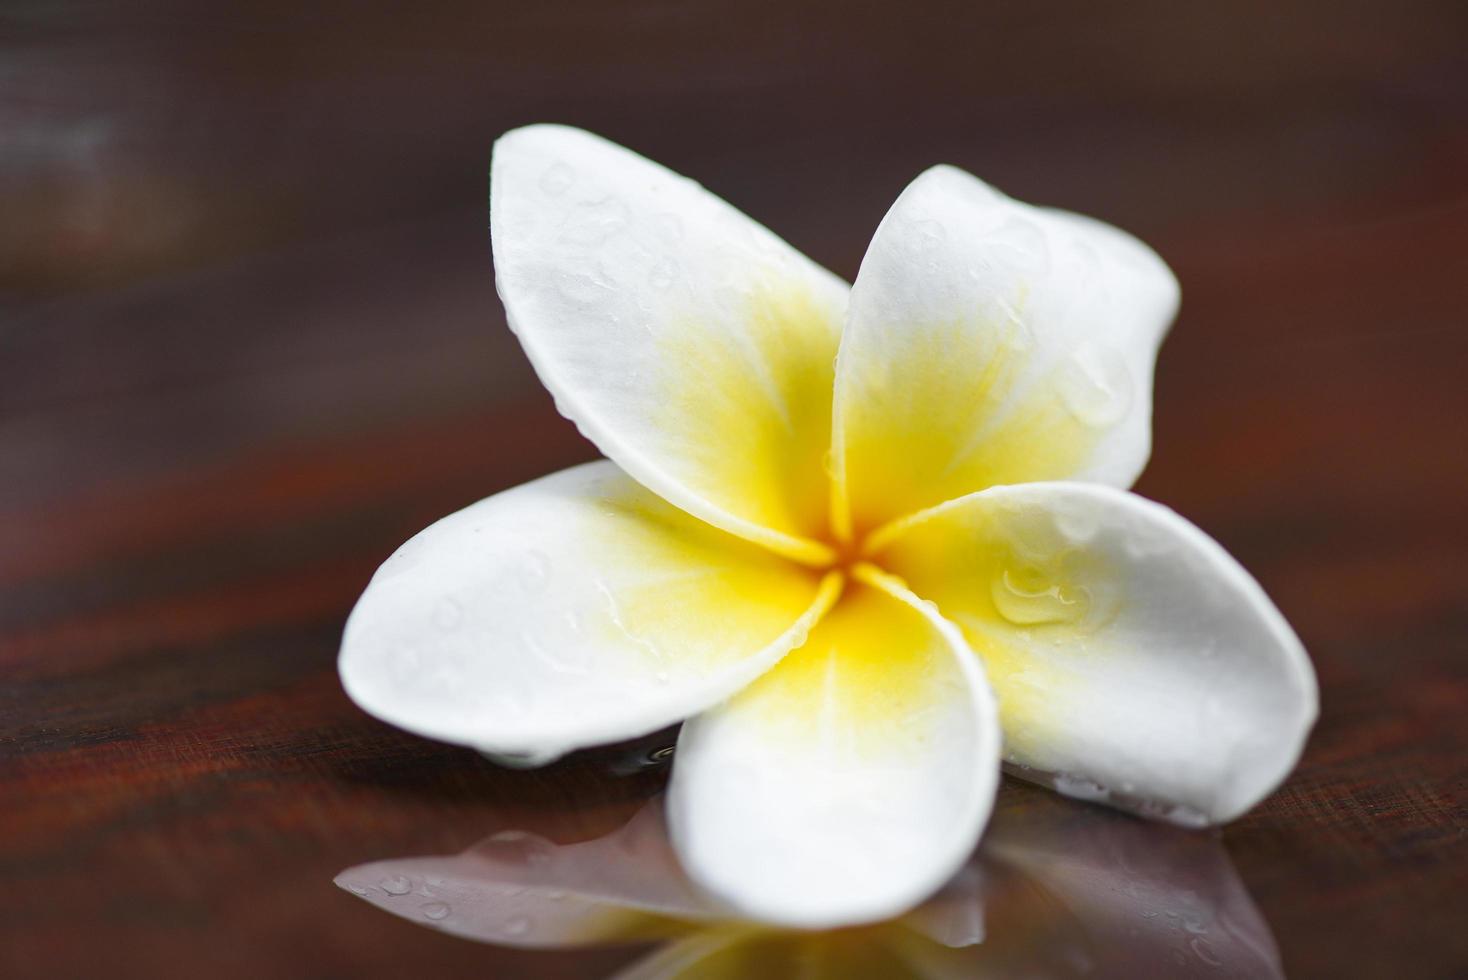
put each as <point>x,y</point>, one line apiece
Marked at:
<point>396,885</point>
<point>1078,525</point>
<point>663,275</point>
<point>1186,816</point>
<point>596,221</point>
<point>1096,385</point>
<point>1080,788</point>
<point>529,848</point>
<point>436,911</point>
<point>1027,596</point>
<point>1204,952</point>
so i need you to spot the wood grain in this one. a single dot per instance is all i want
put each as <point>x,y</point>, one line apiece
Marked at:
<point>249,342</point>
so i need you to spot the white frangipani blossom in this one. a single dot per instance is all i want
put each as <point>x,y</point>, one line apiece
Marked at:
<point>865,542</point>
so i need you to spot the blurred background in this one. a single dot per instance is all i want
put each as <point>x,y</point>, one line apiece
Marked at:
<point>249,342</point>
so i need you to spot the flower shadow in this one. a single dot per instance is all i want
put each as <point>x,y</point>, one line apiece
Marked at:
<point>1057,889</point>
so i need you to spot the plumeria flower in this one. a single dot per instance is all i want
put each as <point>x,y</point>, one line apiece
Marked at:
<point>848,536</point>
<point>1055,891</point>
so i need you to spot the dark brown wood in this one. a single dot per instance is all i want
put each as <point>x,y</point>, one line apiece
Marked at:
<point>249,342</point>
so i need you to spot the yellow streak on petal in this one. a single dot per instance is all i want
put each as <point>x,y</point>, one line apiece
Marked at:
<point>1020,584</point>
<point>737,952</point>
<point>866,682</point>
<point>753,410</point>
<point>610,925</point>
<point>695,598</point>
<point>949,415</point>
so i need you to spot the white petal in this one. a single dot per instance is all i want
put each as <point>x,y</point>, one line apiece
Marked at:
<point>1134,660</point>
<point>851,781</point>
<point>570,611</point>
<point>521,889</point>
<point>991,342</point>
<point>688,342</point>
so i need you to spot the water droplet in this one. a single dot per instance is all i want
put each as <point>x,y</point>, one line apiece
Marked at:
<point>571,658</point>
<point>586,291</point>
<point>357,889</point>
<point>396,885</point>
<point>1077,524</point>
<point>529,759</point>
<point>1028,595</point>
<point>1203,951</point>
<point>532,849</point>
<point>1024,249</point>
<point>435,911</point>
<point>557,179</point>
<point>1096,385</point>
<point>596,221</point>
<point>614,614</point>
<point>518,926</point>
<point>1080,788</point>
<point>1017,337</point>
<point>1186,816</point>
<point>448,615</point>
<point>663,275</point>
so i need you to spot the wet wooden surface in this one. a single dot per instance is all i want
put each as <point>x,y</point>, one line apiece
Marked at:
<point>249,342</point>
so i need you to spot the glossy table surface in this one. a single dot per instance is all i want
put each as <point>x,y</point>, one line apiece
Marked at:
<point>249,342</point>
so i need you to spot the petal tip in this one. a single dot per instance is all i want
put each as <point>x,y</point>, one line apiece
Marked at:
<point>541,131</point>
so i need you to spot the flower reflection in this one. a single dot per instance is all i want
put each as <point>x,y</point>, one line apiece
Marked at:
<point>1058,889</point>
